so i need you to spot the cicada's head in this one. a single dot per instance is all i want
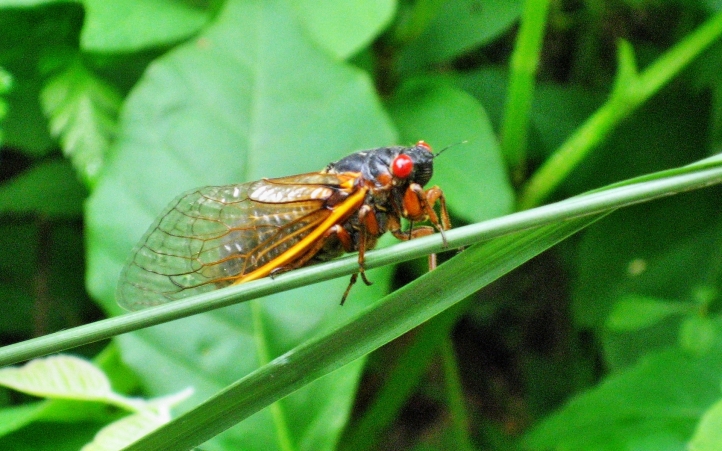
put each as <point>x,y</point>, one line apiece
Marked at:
<point>400,166</point>
<point>390,167</point>
<point>414,164</point>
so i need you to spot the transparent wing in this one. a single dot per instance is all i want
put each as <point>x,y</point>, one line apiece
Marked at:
<point>209,237</point>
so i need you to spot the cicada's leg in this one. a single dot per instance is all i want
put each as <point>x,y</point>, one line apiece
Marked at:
<point>369,227</point>
<point>394,227</point>
<point>418,205</point>
<point>433,195</point>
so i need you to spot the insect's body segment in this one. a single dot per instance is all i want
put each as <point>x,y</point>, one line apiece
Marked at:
<point>217,236</point>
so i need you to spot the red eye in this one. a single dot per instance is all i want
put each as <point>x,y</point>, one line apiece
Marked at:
<point>402,166</point>
<point>424,144</point>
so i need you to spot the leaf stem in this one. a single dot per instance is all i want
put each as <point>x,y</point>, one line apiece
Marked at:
<point>630,91</point>
<point>524,64</point>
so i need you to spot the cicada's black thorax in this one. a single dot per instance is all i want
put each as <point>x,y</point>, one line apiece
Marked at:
<point>385,189</point>
<point>375,165</point>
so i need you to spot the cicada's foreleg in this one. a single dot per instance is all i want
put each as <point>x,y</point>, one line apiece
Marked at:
<point>418,205</point>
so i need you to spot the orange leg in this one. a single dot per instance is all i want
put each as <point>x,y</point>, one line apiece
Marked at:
<point>369,227</point>
<point>418,205</point>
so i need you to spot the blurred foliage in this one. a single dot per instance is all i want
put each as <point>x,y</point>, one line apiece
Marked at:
<point>610,341</point>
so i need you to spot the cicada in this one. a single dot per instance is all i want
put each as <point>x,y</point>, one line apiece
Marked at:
<point>216,236</point>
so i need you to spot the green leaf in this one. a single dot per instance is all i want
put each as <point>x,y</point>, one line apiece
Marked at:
<point>25,3</point>
<point>698,334</point>
<point>708,434</point>
<point>125,431</point>
<point>460,26</point>
<point>70,378</point>
<point>653,405</point>
<point>646,251</point>
<point>637,312</point>
<point>343,27</point>
<point>144,24</point>
<point>6,81</point>
<point>34,33</point>
<point>59,377</point>
<point>50,188</point>
<point>82,110</point>
<point>251,98</point>
<point>5,84</point>
<point>16,417</point>
<point>50,437</point>
<point>472,172</point>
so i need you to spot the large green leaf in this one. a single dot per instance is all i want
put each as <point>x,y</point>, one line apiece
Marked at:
<point>250,98</point>
<point>145,23</point>
<point>343,27</point>
<point>460,26</point>
<point>653,405</point>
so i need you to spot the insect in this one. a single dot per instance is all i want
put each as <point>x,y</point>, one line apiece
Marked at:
<point>216,236</point>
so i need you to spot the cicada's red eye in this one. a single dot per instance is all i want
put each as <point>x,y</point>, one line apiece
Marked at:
<point>424,144</point>
<point>402,166</point>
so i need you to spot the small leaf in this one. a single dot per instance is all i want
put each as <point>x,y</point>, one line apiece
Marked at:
<point>119,434</point>
<point>697,334</point>
<point>82,110</point>
<point>708,435</point>
<point>5,84</point>
<point>58,377</point>
<point>637,312</point>
<point>6,81</point>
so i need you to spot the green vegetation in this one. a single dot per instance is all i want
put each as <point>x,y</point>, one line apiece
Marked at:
<point>584,312</point>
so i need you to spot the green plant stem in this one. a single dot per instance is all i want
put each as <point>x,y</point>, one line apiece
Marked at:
<point>630,91</point>
<point>277,412</point>
<point>455,396</point>
<point>524,64</point>
<point>375,326</point>
<point>401,383</point>
<point>644,188</point>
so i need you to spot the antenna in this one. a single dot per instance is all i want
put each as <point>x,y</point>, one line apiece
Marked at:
<point>449,146</point>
